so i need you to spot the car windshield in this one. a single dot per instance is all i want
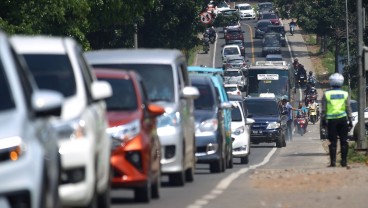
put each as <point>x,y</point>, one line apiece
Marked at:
<point>245,8</point>
<point>236,61</point>
<point>269,16</point>
<point>123,96</point>
<point>205,101</point>
<point>276,29</point>
<point>231,51</point>
<point>265,6</point>
<point>262,107</point>
<point>236,114</point>
<point>231,73</point>
<point>6,101</point>
<point>257,83</point>
<point>230,89</point>
<point>52,72</point>
<point>153,76</point>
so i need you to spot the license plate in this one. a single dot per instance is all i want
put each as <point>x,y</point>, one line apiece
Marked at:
<point>257,132</point>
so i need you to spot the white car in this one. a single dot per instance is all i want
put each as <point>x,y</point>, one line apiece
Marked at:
<point>246,11</point>
<point>230,50</point>
<point>58,64</point>
<point>221,7</point>
<point>240,132</point>
<point>29,157</point>
<point>233,89</point>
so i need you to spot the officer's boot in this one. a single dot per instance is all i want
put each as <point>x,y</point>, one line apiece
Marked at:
<point>344,155</point>
<point>332,151</point>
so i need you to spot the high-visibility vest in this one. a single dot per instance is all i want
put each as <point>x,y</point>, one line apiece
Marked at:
<point>336,104</point>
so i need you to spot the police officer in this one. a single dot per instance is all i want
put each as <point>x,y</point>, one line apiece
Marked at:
<point>336,116</point>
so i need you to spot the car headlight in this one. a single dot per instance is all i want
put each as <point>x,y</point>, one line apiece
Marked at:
<point>11,148</point>
<point>169,119</point>
<point>273,125</point>
<point>239,130</point>
<point>125,132</point>
<point>208,125</point>
<point>75,129</point>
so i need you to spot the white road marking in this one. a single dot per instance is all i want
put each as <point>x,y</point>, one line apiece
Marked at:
<point>225,183</point>
<point>214,52</point>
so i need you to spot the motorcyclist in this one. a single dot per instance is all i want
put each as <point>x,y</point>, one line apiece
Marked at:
<point>206,41</point>
<point>336,116</point>
<point>309,92</point>
<point>311,79</point>
<point>302,111</point>
<point>313,105</point>
<point>212,32</point>
<point>292,25</point>
<point>301,72</point>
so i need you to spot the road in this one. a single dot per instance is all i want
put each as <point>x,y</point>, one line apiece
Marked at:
<point>229,189</point>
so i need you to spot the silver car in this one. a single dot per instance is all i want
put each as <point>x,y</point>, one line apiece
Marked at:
<point>29,157</point>
<point>165,75</point>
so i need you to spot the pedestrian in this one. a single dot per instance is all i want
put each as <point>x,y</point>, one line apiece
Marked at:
<point>336,116</point>
<point>288,110</point>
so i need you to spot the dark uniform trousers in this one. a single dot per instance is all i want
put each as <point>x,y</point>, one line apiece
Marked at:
<point>338,127</point>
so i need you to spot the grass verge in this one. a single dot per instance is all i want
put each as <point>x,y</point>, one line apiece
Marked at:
<point>192,53</point>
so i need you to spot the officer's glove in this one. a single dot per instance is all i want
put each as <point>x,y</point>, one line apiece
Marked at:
<point>350,124</point>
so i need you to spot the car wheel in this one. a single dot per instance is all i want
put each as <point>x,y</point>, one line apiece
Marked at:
<point>244,160</point>
<point>217,166</point>
<point>177,179</point>
<point>143,194</point>
<point>103,199</point>
<point>279,142</point>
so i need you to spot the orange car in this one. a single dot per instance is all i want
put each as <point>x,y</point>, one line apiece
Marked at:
<point>135,156</point>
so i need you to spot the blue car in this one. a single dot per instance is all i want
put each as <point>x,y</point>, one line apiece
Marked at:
<point>215,74</point>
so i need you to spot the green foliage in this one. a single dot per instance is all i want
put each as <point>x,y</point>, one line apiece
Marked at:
<point>354,156</point>
<point>328,61</point>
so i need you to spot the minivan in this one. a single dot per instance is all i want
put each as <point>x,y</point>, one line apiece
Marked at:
<point>164,73</point>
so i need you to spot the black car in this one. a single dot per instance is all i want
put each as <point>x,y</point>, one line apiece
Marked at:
<point>210,130</point>
<point>278,29</point>
<point>240,43</point>
<point>271,44</point>
<point>270,124</point>
<point>261,28</point>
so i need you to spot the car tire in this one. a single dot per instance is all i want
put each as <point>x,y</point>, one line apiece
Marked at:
<point>103,199</point>
<point>279,142</point>
<point>244,160</point>
<point>177,179</point>
<point>217,166</point>
<point>143,194</point>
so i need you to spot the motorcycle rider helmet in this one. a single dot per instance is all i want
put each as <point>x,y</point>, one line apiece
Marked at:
<point>336,80</point>
<point>310,73</point>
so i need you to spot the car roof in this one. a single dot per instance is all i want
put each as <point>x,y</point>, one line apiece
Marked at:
<point>230,46</point>
<point>273,56</point>
<point>243,4</point>
<point>139,56</point>
<point>40,44</point>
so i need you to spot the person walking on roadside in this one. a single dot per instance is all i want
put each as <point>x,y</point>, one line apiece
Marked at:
<point>288,110</point>
<point>336,116</point>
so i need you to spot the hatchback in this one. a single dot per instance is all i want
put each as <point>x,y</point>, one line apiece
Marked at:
<point>240,43</point>
<point>136,148</point>
<point>246,11</point>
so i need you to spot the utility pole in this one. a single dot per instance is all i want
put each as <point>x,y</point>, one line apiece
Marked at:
<point>362,141</point>
<point>347,45</point>
<point>135,36</point>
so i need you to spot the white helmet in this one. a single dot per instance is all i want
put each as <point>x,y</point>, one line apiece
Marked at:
<point>336,80</point>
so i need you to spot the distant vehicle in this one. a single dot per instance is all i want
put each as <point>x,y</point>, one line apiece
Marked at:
<point>278,29</point>
<point>210,126</point>
<point>261,28</point>
<point>270,16</point>
<point>233,89</point>
<point>84,144</point>
<point>221,6</point>
<point>240,131</point>
<point>240,43</point>
<point>246,11</point>
<point>30,163</point>
<point>233,34</point>
<point>230,50</point>
<point>175,94</point>
<point>275,77</point>
<point>270,125</point>
<point>219,83</point>
<point>136,149</point>
<point>235,62</point>
<point>264,7</point>
<point>228,12</point>
<point>274,57</point>
<point>271,44</point>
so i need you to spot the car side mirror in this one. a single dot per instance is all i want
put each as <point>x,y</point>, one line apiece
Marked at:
<point>226,105</point>
<point>249,121</point>
<point>101,90</point>
<point>190,92</point>
<point>47,103</point>
<point>155,110</point>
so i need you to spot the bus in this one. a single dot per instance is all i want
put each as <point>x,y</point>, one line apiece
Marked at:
<point>270,78</point>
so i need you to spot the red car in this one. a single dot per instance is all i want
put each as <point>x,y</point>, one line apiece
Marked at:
<point>272,17</point>
<point>135,155</point>
<point>233,34</point>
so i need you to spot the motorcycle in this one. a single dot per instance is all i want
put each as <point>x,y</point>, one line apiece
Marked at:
<point>292,30</point>
<point>212,38</point>
<point>313,117</point>
<point>301,124</point>
<point>309,98</point>
<point>302,80</point>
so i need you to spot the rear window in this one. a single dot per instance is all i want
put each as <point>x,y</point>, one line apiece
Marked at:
<point>52,72</point>
<point>206,99</point>
<point>123,97</point>
<point>262,107</point>
<point>269,16</point>
<point>263,24</point>
<point>230,89</point>
<point>231,51</point>
<point>6,101</point>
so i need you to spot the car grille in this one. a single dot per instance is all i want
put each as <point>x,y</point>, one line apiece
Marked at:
<point>259,126</point>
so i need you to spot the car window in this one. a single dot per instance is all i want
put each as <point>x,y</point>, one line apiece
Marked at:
<point>233,61</point>
<point>245,8</point>
<point>206,99</point>
<point>230,89</point>
<point>262,107</point>
<point>53,72</point>
<point>6,101</point>
<point>153,76</point>
<point>236,114</point>
<point>124,97</point>
<point>269,16</point>
<point>231,51</point>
